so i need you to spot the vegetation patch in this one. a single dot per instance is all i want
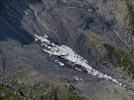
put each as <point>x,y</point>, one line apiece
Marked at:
<point>131,20</point>
<point>120,58</point>
<point>67,92</point>
<point>39,89</point>
<point>43,91</point>
<point>93,39</point>
<point>131,16</point>
<point>63,92</point>
<point>6,94</point>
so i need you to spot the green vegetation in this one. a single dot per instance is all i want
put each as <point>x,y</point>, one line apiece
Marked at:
<point>43,91</point>
<point>63,92</point>
<point>131,16</point>
<point>120,59</point>
<point>93,39</point>
<point>21,76</point>
<point>116,56</point>
<point>67,92</point>
<point>37,90</point>
<point>6,94</point>
<point>131,20</point>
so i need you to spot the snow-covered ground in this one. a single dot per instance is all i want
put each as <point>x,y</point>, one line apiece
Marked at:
<point>67,53</point>
<point>60,63</point>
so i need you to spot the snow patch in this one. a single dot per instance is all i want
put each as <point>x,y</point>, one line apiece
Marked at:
<point>77,69</point>
<point>78,79</point>
<point>67,53</point>
<point>60,63</point>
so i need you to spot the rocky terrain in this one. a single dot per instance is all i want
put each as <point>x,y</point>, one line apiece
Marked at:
<point>97,36</point>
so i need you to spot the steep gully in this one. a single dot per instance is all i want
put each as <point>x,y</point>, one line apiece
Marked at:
<point>67,53</point>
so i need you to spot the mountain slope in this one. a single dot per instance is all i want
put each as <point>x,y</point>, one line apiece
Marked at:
<point>101,31</point>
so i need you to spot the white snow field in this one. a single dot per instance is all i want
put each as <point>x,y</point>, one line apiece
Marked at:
<point>67,53</point>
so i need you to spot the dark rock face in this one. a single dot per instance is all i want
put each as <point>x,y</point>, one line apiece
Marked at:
<point>86,26</point>
<point>11,25</point>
